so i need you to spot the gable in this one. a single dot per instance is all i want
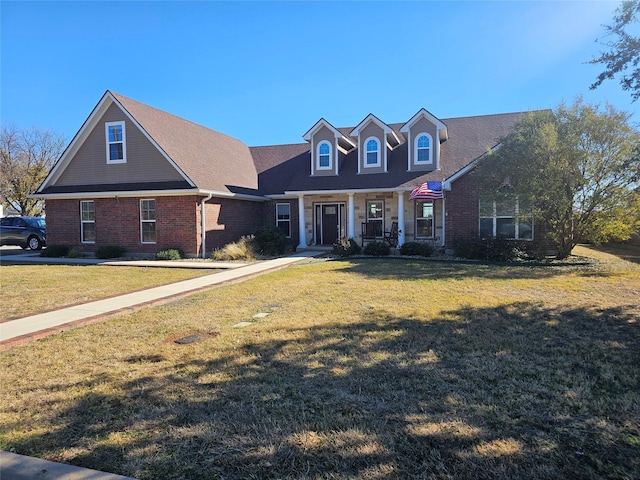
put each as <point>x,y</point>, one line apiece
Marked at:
<point>88,165</point>
<point>163,151</point>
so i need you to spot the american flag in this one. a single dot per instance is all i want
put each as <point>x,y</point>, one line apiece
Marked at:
<point>427,191</point>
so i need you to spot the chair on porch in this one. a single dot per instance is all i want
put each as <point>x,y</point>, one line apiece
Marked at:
<point>391,237</point>
<point>371,232</point>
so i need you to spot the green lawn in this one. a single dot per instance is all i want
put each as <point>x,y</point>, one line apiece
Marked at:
<point>362,369</point>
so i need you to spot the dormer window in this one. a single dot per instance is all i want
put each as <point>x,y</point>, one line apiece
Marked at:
<point>324,156</point>
<point>116,142</point>
<point>373,152</point>
<point>423,148</point>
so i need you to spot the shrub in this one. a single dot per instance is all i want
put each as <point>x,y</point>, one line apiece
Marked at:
<point>377,249</point>
<point>55,251</point>
<point>243,249</point>
<point>346,247</point>
<point>110,251</point>
<point>73,253</point>
<point>498,249</point>
<point>270,240</point>
<point>420,249</point>
<point>170,254</point>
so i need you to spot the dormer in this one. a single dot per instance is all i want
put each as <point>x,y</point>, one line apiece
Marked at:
<point>424,134</point>
<point>375,140</point>
<point>328,147</point>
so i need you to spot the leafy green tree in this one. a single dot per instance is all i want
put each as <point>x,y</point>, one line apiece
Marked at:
<point>579,167</point>
<point>624,50</point>
<point>26,156</point>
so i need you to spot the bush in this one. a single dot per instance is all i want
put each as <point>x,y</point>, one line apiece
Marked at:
<point>110,251</point>
<point>55,251</point>
<point>170,254</point>
<point>243,249</point>
<point>498,249</point>
<point>346,247</point>
<point>377,249</point>
<point>270,240</point>
<point>420,249</point>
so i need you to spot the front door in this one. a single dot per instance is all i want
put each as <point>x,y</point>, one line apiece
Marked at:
<point>330,223</point>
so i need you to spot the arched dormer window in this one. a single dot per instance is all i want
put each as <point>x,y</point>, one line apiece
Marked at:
<point>323,161</point>
<point>373,152</point>
<point>423,148</point>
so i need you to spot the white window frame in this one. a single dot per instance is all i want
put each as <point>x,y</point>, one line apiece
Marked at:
<point>123,141</point>
<point>148,221</point>
<point>84,222</point>
<point>495,217</point>
<point>418,210</point>
<point>416,149</point>
<point>377,152</point>
<point>318,166</point>
<point>376,219</point>
<point>287,220</point>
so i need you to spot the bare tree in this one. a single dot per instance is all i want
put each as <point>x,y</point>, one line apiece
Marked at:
<point>26,156</point>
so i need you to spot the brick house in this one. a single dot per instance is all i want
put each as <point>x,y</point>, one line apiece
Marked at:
<point>144,179</point>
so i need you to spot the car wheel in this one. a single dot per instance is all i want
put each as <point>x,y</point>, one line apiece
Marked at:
<point>34,243</point>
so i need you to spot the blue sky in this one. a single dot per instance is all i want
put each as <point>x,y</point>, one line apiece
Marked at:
<point>265,72</point>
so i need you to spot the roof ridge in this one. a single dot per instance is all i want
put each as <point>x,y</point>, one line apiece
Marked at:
<point>119,96</point>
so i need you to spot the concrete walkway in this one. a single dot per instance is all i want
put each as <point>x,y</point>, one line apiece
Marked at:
<point>26,329</point>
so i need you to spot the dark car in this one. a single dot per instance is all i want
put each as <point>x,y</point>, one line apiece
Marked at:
<point>27,232</point>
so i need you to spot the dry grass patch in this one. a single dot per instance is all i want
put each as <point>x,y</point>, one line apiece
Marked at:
<point>30,289</point>
<point>364,369</point>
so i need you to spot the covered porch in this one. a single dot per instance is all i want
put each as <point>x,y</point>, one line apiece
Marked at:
<point>324,217</point>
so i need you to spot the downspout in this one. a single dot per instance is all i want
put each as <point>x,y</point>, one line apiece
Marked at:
<point>204,225</point>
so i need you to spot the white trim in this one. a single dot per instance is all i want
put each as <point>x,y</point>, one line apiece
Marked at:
<point>415,149</point>
<point>442,128</point>
<point>123,141</point>
<point>145,193</point>
<point>289,220</point>
<point>148,221</point>
<point>317,152</point>
<point>308,136</point>
<point>366,153</point>
<point>302,232</point>
<point>446,185</point>
<point>82,221</point>
<point>87,127</point>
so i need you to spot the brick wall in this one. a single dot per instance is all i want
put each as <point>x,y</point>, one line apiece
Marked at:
<point>227,220</point>
<point>117,222</point>
<point>462,211</point>
<point>463,215</point>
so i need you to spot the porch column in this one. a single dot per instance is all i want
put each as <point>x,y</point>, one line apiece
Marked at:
<point>444,218</point>
<point>301,224</point>
<point>351,215</point>
<point>401,226</point>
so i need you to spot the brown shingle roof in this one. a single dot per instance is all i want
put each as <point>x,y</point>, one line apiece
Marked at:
<point>211,160</point>
<point>287,167</point>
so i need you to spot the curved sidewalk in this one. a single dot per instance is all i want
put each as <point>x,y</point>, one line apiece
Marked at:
<point>26,329</point>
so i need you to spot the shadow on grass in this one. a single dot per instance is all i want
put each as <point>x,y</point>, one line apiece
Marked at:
<point>519,391</point>
<point>408,268</point>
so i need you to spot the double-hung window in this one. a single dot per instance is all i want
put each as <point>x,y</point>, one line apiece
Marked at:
<point>375,214</point>
<point>324,156</point>
<point>148,220</point>
<point>116,142</point>
<point>372,152</point>
<point>283,218</point>
<point>505,217</point>
<point>424,219</point>
<point>87,221</point>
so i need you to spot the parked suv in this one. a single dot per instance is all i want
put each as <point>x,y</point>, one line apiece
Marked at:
<point>27,232</point>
